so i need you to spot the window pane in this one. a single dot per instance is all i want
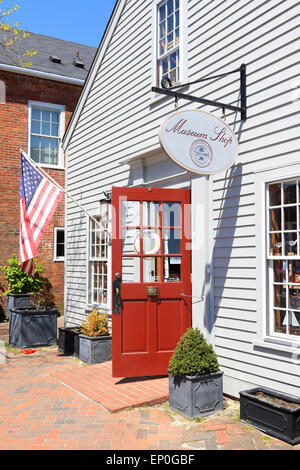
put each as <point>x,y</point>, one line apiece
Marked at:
<point>35,148</point>
<point>171,241</point>
<point>46,115</point>
<point>162,12</point>
<point>280,321</point>
<point>279,269</point>
<point>130,241</point>
<point>53,152</point>
<point>170,23</point>
<point>171,214</point>
<point>289,193</point>
<point>131,269</point>
<point>151,213</point>
<point>45,150</point>
<point>35,127</point>
<point>151,269</point>
<point>275,244</point>
<point>177,19</point>
<point>36,113</point>
<point>54,117</point>
<point>290,242</point>
<point>294,271</point>
<point>54,130</point>
<point>170,41</point>
<point>294,299</point>
<point>151,242</point>
<point>290,218</point>
<point>275,220</point>
<point>169,7</point>
<point>279,296</point>
<point>162,29</point>
<point>294,323</point>
<point>172,269</point>
<point>130,213</point>
<point>275,194</point>
<point>46,128</point>
<point>176,4</point>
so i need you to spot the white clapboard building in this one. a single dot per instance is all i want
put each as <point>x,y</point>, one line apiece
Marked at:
<point>218,250</point>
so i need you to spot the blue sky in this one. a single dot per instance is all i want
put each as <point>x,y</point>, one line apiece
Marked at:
<point>73,20</point>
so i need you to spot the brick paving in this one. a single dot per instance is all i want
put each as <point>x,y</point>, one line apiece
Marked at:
<point>42,409</point>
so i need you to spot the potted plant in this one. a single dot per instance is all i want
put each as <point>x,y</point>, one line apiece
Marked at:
<point>195,379</point>
<point>35,325</point>
<point>272,412</point>
<point>20,285</point>
<point>95,342</point>
<point>68,340</point>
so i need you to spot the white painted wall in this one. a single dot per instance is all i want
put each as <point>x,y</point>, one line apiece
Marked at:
<point>119,121</point>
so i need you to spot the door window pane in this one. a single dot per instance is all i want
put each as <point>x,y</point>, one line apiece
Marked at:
<point>130,241</point>
<point>172,269</point>
<point>151,269</point>
<point>130,213</point>
<point>151,214</point>
<point>171,241</point>
<point>131,269</point>
<point>151,242</point>
<point>171,214</point>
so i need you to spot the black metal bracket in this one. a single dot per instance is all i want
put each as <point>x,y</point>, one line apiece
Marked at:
<point>167,89</point>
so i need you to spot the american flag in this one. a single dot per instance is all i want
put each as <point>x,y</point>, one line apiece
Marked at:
<point>38,201</point>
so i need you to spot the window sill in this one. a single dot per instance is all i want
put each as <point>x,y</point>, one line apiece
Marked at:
<point>288,347</point>
<point>58,259</point>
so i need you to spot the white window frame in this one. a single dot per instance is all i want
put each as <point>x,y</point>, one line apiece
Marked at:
<point>89,268</point>
<point>183,44</point>
<point>55,257</point>
<point>264,337</point>
<point>49,107</point>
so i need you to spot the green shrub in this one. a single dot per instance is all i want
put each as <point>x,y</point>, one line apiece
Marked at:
<point>19,282</point>
<point>193,356</point>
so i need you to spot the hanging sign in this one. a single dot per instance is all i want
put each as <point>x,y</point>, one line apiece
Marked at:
<point>198,141</point>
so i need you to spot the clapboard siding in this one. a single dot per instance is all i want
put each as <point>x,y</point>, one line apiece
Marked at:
<point>119,120</point>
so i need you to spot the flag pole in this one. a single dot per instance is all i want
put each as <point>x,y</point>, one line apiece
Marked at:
<point>46,175</point>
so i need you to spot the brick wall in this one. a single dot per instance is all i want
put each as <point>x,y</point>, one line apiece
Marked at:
<point>19,89</point>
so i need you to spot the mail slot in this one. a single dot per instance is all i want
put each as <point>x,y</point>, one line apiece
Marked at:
<point>152,290</point>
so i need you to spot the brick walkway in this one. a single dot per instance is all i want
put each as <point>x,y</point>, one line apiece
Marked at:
<point>41,408</point>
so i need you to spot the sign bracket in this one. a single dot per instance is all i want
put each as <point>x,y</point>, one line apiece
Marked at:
<point>167,89</point>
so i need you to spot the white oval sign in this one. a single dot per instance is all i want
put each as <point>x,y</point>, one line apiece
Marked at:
<point>198,141</point>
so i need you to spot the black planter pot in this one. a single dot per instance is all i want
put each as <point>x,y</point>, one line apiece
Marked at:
<point>32,327</point>
<point>95,349</point>
<point>17,301</point>
<point>196,396</point>
<point>68,340</point>
<point>271,418</point>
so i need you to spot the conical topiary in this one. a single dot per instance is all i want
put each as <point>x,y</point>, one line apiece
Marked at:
<point>193,356</point>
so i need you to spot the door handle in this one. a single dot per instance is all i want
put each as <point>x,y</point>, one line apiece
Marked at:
<point>117,299</point>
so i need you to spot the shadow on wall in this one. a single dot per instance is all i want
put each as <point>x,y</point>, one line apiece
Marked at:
<point>225,235</point>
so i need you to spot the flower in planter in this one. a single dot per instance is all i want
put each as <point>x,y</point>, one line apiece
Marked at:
<point>96,324</point>
<point>193,356</point>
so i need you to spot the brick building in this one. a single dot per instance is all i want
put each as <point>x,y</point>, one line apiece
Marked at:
<point>35,107</point>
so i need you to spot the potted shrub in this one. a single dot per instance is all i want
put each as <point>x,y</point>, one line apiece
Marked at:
<point>35,325</point>
<point>95,342</point>
<point>272,412</point>
<point>195,380</point>
<point>20,285</point>
<point>68,340</point>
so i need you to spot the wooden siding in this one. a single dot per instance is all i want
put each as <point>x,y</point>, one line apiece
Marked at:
<point>120,120</point>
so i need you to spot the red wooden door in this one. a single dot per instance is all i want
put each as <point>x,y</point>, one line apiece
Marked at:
<point>150,248</point>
